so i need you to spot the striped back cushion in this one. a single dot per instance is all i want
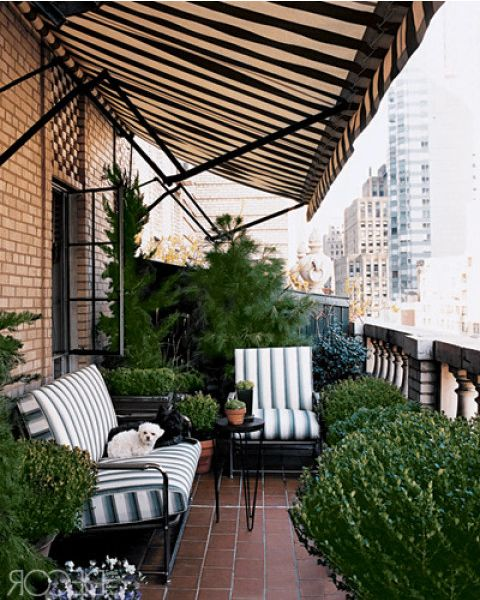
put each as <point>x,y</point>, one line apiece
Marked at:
<point>282,376</point>
<point>75,410</point>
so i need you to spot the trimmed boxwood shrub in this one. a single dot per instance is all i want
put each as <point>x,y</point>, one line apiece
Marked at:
<point>394,510</point>
<point>342,399</point>
<point>139,382</point>
<point>189,381</point>
<point>365,419</point>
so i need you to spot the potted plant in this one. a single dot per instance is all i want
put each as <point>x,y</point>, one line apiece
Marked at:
<point>137,391</point>
<point>56,481</point>
<point>235,411</point>
<point>113,579</point>
<point>202,410</point>
<point>244,389</point>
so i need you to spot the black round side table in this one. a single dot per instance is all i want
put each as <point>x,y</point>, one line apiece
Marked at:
<point>240,441</point>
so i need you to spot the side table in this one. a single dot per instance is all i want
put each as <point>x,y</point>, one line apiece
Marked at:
<point>240,440</point>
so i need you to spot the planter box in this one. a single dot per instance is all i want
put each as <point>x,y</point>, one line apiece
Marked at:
<point>143,407</point>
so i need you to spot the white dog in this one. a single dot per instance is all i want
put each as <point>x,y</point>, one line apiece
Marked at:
<point>134,443</point>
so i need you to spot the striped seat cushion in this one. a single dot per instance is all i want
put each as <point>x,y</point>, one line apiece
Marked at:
<point>288,424</point>
<point>136,496</point>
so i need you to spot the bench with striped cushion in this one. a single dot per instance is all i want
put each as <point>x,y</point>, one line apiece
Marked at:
<point>283,392</point>
<point>76,410</point>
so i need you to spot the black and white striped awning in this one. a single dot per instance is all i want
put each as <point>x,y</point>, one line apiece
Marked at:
<point>213,76</point>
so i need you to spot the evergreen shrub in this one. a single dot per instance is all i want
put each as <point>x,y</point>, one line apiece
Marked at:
<point>139,382</point>
<point>395,513</point>
<point>202,410</point>
<point>336,356</point>
<point>340,400</point>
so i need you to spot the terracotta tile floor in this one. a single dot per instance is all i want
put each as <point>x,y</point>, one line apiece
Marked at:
<point>224,561</point>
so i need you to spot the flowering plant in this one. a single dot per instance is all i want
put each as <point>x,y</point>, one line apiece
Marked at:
<point>113,580</point>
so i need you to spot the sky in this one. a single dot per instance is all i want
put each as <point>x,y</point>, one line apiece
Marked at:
<point>451,45</point>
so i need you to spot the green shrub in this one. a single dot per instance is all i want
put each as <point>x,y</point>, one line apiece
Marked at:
<point>244,384</point>
<point>336,356</point>
<point>202,410</point>
<point>15,552</point>
<point>188,381</point>
<point>234,404</point>
<point>368,419</point>
<point>57,481</point>
<point>395,513</point>
<point>140,382</point>
<point>340,400</point>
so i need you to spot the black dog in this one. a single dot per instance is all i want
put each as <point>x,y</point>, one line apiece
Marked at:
<point>173,423</point>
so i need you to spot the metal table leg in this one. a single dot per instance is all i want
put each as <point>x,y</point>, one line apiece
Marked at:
<point>250,502</point>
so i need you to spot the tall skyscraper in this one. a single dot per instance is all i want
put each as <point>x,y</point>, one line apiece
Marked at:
<point>365,260</point>
<point>409,188</point>
<point>431,170</point>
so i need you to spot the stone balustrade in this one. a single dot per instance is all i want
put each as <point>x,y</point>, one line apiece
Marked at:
<point>441,372</point>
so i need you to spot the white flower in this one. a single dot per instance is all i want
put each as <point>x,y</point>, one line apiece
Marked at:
<point>130,569</point>
<point>69,565</point>
<point>93,563</point>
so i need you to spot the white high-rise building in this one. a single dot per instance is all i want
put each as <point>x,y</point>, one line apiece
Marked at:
<point>431,178</point>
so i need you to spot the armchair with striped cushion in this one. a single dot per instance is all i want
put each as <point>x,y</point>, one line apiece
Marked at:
<point>76,410</point>
<point>283,395</point>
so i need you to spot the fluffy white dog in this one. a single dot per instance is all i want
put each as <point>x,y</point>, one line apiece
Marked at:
<point>134,443</point>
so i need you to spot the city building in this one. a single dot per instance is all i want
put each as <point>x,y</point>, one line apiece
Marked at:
<point>364,264</point>
<point>333,242</point>
<point>432,170</point>
<point>218,196</point>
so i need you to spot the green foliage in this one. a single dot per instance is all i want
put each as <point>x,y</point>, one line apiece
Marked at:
<point>139,382</point>
<point>15,552</point>
<point>202,410</point>
<point>234,404</point>
<point>336,356</point>
<point>340,400</point>
<point>368,419</point>
<point>241,299</point>
<point>245,384</point>
<point>143,338</point>
<point>57,480</point>
<point>189,381</point>
<point>125,381</point>
<point>394,509</point>
<point>10,356</point>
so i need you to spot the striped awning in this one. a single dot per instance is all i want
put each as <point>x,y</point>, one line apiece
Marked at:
<point>213,76</point>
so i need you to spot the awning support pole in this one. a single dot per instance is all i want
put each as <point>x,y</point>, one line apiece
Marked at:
<point>41,69</point>
<point>131,138</point>
<point>268,139</point>
<point>156,202</point>
<point>160,143</point>
<point>279,213</point>
<point>145,124</point>
<point>82,88</point>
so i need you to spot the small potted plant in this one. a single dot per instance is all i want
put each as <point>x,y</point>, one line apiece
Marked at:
<point>56,482</point>
<point>235,411</point>
<point>202,411</point>
<point>244,389</point>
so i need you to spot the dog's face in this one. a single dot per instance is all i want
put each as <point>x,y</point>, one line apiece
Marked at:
<point>149,433</point>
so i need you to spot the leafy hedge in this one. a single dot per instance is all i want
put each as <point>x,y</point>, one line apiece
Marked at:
<point>189,381</point>
<point>365,419</point>
<point>342,399</point>
<point>394,509</point>
<point>139,382</point>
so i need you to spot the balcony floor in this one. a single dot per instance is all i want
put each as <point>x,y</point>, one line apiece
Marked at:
<point>221,561</point>
<point>224,561</point>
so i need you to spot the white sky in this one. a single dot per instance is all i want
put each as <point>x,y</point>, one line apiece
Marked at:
<point>451,45</point>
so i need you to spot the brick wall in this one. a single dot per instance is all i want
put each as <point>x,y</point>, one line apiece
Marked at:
<point>25,192</point>
<point>73,149</point>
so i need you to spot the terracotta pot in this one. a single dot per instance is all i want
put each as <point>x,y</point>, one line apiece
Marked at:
<point>235,416</point>
<point>205,462</point>
<point>43,546</point>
